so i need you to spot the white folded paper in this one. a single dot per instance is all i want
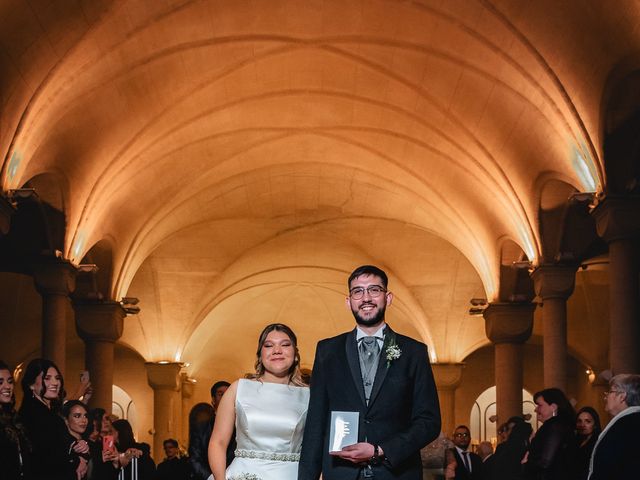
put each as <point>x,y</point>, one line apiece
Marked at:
<point>344,430</point>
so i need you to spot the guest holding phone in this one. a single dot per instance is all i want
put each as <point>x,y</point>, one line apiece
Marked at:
<point>104,463</point>
<point>130,449</point>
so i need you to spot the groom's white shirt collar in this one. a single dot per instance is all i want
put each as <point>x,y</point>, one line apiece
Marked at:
<point>379,334</point>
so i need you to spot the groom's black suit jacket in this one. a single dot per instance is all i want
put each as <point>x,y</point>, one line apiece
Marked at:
<point>403,414</point>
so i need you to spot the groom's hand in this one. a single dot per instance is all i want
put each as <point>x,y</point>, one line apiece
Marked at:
<point>358,453</point>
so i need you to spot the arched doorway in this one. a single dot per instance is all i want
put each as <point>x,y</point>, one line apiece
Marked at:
<point>482,420</point>
<point>123,407</point>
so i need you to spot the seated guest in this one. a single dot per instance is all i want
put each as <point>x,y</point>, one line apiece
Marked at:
<point>43,388</point>
<point>587,431</point>
<point>173,467</point>
<point>14,446</point>
<point>615,454</point>
<point>130,449</point>
<point>76,417</point>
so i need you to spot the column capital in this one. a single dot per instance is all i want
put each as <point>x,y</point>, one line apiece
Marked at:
<point>99,320</point>
<point>554,281</point>
<point>54,276</point>
<point>188,385</point>
<point>509,322</point>
<point>447,375</point>
<point>618,217</point>
<point>164,375</point>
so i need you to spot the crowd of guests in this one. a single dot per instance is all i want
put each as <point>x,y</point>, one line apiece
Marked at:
<point>52,438</point>
<point>567,445</point>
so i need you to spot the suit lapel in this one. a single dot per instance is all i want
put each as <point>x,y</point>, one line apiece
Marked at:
<point>351,347</point>
<point>383,367</point>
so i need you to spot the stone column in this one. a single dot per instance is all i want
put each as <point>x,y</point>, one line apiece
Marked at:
<point>447,376</point>
<point>554,284</point>
<point>188,385</point>
<point>164,378</point>
<point>55,279</point>
<point>618,223</point>
<point>508,326</point>
<point>100,325</point>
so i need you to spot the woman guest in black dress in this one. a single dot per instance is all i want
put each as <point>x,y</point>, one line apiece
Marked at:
<point>76,418</point>
<point>552,447</point>
<point>588,429</point>
<point>506,462</point>
<point>43,388</point>
<point>130,449</point>
<point>14,447</point>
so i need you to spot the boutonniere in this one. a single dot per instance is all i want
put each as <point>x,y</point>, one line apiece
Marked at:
<point>392,352</point>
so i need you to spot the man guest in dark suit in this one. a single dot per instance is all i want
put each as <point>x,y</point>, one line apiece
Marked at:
<point>200,433</point>
<point>386,378</point>
<point>469,465</point>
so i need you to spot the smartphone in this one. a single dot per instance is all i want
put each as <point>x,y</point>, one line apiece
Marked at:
<point>84,376</point>
<point>107,443</point>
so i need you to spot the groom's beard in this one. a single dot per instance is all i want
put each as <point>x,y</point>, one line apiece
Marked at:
<point>368,322</point>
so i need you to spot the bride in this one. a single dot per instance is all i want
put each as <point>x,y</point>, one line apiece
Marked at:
<point>268,410</point>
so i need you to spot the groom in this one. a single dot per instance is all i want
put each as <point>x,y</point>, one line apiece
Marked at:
<point>384,376</point>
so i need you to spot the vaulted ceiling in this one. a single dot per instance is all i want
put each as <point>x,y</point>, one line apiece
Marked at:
<point>240,158</point>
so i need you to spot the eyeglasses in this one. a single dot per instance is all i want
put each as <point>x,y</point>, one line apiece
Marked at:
<point>606,394</point>
<point>461,435</point>
<point>374,291</point>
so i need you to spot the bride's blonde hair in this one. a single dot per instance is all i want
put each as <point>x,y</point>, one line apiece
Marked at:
<point>295,377</point>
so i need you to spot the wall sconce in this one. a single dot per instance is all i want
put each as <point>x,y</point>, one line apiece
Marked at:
<point>478,305</point>
<point>522,264</point>
<point>129,304</point>
<point>87,268</point>
<point>478,302</point>
<point>21,194</point>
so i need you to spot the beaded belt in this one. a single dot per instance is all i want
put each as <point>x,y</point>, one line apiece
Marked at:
<point>280,457</point>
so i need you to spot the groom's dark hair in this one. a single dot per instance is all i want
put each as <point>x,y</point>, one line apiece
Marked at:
<point>368,270</point>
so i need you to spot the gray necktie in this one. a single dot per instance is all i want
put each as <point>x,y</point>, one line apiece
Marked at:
<point>369,353</point>
<point>467,461</point>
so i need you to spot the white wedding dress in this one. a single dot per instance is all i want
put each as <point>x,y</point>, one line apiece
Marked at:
<point>270,420</point>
